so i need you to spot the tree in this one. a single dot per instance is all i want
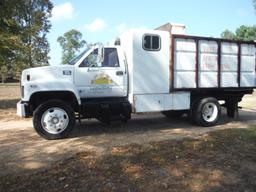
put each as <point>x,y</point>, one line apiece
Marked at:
<point>9,35</point>
<point>245,33</point>
<point>23,29</point>
<point>227,34</point>
<point>254,4</point>
<point>36,25</point>
<point>71,42</point>
<point>4,72</point>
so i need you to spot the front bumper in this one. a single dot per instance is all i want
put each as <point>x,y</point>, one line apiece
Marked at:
<point>23,109</point>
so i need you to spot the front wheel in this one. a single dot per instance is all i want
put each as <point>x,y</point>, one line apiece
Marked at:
<point>206,112</point>
<point>54,119</point>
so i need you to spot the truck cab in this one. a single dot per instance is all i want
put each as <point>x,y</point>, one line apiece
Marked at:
<point>92,85</point>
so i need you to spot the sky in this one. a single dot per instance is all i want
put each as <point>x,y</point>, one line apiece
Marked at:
<point>103,20</point>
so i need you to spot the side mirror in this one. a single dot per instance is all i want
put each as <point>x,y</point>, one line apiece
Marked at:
<point>96,58</point>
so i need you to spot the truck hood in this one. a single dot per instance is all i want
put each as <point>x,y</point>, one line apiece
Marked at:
<point>48,73</point>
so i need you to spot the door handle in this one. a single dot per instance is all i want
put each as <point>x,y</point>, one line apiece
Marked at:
<point>119,73</point>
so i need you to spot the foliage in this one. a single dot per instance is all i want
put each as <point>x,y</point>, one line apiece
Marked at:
<point>71,42</point>
<point>246,33</point>
<point>227,34</point>
<point>23,29</point>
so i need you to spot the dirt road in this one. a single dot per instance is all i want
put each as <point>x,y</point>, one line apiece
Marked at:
<point>22,150</point>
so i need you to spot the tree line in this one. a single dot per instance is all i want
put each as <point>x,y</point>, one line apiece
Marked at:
<point>23,29</point>
<point>24,26</point>
<point>245,33</point>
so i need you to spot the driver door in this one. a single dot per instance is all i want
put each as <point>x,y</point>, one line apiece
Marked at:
<point>106,79</point>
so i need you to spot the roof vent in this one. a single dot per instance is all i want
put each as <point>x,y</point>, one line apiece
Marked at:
<point>173,28</point>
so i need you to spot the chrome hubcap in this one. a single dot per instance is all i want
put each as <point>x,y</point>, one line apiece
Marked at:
<point>54,120</point>
<point>210,112</point>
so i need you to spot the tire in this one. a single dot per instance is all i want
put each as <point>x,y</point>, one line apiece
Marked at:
<point>206,112</point>
<point>54,119</point>
<point>173,114</point>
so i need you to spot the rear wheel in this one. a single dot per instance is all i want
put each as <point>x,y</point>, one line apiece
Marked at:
<point>54,119</point>
<point>206,112</point>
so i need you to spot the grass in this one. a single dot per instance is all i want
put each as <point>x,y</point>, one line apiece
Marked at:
<point>9,92</point>
<point>9,84</point>
<point>221,161</point>
<point>9,96</point>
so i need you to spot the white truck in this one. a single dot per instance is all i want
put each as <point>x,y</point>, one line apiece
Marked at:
<point>161,70</point>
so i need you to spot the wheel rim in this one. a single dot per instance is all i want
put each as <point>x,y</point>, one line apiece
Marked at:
<point>210,112</point>
<point>54,120</point>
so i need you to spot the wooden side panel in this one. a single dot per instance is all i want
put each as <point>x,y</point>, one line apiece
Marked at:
<point>185,63</point>
<point>218,63</point>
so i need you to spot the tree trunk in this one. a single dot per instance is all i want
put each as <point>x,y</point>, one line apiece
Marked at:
<point>2,78</point>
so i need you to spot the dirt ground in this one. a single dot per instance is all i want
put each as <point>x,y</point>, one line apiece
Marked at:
<point>25,155</point>
<point>220,161</point>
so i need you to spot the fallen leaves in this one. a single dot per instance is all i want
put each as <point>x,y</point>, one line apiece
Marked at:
<point>223,161</point>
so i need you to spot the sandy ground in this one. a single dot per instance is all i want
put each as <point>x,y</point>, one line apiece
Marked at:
<point>22,150</point>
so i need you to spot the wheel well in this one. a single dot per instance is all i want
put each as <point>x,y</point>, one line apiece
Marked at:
<point>38,98</point>
<point>224,95</point>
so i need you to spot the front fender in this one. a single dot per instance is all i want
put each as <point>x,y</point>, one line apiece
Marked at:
<point>62,85</point>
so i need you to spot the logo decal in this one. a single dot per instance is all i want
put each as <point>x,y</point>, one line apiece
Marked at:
<point>102,79</point>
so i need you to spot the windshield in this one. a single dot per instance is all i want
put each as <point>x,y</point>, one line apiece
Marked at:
<point>75,59</point>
